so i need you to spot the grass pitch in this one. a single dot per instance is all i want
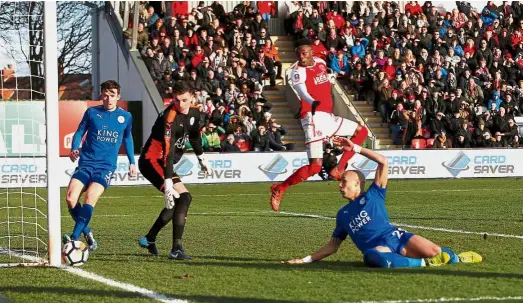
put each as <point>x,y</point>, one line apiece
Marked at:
<point>237,243</point>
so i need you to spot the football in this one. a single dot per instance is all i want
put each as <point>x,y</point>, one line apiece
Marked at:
<point>75,253</point>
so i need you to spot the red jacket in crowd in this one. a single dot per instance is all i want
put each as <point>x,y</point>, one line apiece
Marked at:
<point>413,9</point>
<point>338,19</point>
<point>180,8</point>
<point>266,7</point>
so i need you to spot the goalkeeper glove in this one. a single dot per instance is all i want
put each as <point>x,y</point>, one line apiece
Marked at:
<point>169,194</point>
<point>204,165</point>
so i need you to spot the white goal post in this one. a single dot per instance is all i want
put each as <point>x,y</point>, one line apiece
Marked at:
<point>30,219</point>
<point>52,131</point>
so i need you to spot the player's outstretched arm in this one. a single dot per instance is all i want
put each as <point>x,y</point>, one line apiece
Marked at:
<point>78,135</point>
<point>330,248</point>
<point>382,171</point>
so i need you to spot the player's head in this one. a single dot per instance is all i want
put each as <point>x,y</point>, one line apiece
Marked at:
<point>183,96</point>
<point>110,94</point>
<point>352,184</point>
<point>305,53</point>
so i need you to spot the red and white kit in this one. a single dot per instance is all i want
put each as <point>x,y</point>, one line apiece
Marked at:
<point>312,84</point>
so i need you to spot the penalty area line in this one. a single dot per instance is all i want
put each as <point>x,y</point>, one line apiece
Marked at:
<point>457,231</point>
<point>476,299</point>
<point>98,278</point>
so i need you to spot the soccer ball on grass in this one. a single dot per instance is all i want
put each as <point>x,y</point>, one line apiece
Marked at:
<point>75,253</point>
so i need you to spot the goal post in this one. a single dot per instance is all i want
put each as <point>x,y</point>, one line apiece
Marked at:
<point>30,219</point>
<point>52,134</point>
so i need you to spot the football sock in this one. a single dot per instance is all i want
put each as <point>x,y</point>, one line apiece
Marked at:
<point>453,257</point>
<point>180,213</point>
<point>373,257</point>
<point>302,174</point>
<point>165,217</point>
<point>75,211</point>
<point>359,138</point>
<point>82,220</point>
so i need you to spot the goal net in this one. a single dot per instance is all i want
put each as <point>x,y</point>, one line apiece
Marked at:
<point>29,196</point>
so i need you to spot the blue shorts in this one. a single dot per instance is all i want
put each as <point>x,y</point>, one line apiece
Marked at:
<point>396,240</point>
<point>88,175</point>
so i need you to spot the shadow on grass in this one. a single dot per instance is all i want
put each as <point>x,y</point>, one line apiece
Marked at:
<point>105,295</point>
<point>341,266</point>
<point>72,292</point>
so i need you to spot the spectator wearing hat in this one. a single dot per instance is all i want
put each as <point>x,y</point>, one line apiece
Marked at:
<point>165,85</point>
<point>212,135</point>
<point>496,99</point>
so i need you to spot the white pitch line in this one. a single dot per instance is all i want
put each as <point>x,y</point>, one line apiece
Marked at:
<point>457,231</point>
<point>519,298</point>
<point>110,282</point>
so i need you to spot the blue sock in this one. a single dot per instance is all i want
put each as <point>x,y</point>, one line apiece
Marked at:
<point>86,230</point>
<point>75,211</point>
<point>453,257</point>
<point>373,257</point>
<point>82,221</point>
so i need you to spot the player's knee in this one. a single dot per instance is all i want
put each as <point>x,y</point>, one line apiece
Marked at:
<point>314,168</point>
<point>71,198</point>
<point>185,199</point>
<point>432,251</point>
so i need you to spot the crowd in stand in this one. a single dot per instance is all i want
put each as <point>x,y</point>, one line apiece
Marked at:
<point>227,57</point>
<point>449,78</point>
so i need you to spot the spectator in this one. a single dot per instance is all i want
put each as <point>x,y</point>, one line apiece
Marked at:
<point>212,136</point>
<point>159,66</point>
<point>442,142</point>
<point>276,132</point>
<point>228,145</point>
<point>260,139</point>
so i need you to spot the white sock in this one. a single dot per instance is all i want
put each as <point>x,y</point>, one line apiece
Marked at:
<point>423,264</point>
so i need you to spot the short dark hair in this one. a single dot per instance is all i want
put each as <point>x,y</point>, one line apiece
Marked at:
<point>110,84</point>
<point>181,87</point>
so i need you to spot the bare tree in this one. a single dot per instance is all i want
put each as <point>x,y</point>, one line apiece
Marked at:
<point>22,38</point>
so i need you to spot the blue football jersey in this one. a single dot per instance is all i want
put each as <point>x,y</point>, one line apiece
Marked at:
<point>106,130</point>
<point>365,219</point>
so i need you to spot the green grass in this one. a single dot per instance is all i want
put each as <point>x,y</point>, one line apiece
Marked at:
<point>237,243</point>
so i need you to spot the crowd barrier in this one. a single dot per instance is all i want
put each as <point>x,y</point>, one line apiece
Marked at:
<point>268,167</point>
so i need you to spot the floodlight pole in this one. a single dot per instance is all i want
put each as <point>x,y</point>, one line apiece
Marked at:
<point>52,131</point>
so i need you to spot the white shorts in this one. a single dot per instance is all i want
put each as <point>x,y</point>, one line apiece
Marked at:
<point>322,126</point>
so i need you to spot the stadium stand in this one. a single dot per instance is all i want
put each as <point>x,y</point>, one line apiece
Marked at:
<point>234,65</point>
<point>421,72</point>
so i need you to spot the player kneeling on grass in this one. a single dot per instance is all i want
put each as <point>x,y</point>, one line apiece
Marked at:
<point>177,124</point>
<point>107,126</point>
<point>366,221</point>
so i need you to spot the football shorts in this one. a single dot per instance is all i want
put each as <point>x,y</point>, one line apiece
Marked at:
<point>395,240</point>
<point>152,170</point>
<point>88,175</point>
<point>321,126</point>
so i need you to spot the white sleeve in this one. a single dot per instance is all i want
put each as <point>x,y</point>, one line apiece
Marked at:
<point>298,77</point>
